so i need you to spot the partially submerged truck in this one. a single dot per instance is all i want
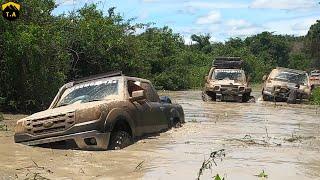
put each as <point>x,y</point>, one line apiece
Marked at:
<point>226,81</point>
<point>101,112</point>
<point>284,84</point>
<point>315,79</point>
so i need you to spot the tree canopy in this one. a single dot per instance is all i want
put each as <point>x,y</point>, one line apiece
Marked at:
<point>40,52</point>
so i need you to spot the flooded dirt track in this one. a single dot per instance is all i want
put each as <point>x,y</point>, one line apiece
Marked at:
<point>283,140</point>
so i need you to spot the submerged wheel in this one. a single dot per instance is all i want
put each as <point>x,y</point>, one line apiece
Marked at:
<point>205,97</point>
<point>265,97</point>
<point>246,97</point>
<point>293,96</point>
<point>120,140</point>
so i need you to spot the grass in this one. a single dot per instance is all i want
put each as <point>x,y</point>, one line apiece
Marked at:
<point>1,117</point>
<point>3,127</point>
<point>208,163</point>
<point>315,97</point>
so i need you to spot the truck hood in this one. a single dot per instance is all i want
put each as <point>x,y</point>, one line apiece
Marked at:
<point>289,85</point>
<point>65,109</point>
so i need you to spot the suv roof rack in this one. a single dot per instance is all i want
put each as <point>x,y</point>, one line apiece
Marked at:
<point>227,62</point>
<point>291,70</point>
<point>98,76</point>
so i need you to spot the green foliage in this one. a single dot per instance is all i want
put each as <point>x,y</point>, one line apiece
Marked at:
<point>40,52</point>
<point>217,177</point>
<point>313,43</point>
<point>315,97</point>
<point>262,175</point>
<point>1,116</point>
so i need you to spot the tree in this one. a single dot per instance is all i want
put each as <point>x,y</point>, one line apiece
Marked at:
<point>313,43</point>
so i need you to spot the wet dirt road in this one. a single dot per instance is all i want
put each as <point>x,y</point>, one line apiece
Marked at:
<point>283,140</point>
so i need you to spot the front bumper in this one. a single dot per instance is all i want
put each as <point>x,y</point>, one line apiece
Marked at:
<point>81,139</point>
<point>285,95</point>
<point>78,133</point>
<point>281,95</point>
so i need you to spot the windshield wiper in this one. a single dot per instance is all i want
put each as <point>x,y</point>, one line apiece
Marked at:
<point>65,104</point>
<point>92,100</point>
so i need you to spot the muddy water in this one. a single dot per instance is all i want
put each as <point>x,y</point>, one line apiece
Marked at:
<point>282,140</point>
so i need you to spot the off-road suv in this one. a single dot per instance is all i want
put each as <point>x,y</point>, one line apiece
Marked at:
<point>285,84</point>
<point>102,112</point>
<point>226,81</point>
<point>315,79</point>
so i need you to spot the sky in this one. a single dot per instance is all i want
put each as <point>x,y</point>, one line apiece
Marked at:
<point>222,19</point>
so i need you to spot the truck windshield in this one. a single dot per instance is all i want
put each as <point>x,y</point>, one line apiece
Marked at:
<point>88,92</point>
<point>229,74</point>
<point>291,77</point>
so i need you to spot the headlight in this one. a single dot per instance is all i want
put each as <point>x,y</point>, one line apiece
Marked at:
<point>241,88</point>
<point>216,88</point>
<point>86,115</point>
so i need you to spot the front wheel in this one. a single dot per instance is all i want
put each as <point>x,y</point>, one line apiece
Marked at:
<point>120,140</point>
<point>265,97</point>
<point>205,97</point>
<point>246,97</point>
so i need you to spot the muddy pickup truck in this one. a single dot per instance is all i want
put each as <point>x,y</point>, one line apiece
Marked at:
<point>226,81</point>
<point>102,112</point>
<point>285,84</point>
<point>315,79</point>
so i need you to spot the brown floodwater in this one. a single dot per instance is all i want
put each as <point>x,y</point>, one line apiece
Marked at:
<point>281,140</point>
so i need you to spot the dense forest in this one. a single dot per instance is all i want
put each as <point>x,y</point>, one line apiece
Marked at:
<point>40,52</point>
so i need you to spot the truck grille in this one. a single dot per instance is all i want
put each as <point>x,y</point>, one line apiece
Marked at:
<point>51,124</point>
<point>229,87</point>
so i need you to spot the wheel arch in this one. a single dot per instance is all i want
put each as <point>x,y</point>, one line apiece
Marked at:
<point>119,117</point>
<point>176,115</point>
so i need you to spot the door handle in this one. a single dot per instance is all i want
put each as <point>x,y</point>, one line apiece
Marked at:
<point>162,108</point>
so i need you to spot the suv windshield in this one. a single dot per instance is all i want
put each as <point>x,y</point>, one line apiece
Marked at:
<point>89,91</point>
<point>291,77</point>
<point>228,74</point>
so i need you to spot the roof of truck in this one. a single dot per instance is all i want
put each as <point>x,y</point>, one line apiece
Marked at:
<point>291,70</point>
<point>227,63</point>
<point>107,75</point>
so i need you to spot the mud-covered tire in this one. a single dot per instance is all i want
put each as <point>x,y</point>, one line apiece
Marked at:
<point>205,97</point>
<point>246,97</point>
<point>293,96</point>
<point>265,97</point>
<point>119,140</point>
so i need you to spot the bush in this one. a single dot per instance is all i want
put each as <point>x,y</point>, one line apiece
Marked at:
<point>315,97</point>
<point>1,117</point>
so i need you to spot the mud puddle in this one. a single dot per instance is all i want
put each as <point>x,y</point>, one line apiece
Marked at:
<point>281,140</point>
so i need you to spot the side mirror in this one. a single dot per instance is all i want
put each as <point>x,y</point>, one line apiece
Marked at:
<point>264,78</point>
<point>138,95</point>
<point>165,99</point>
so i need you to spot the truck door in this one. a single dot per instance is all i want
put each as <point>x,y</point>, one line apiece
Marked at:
<point>157,115</point>
<point>149,111</point>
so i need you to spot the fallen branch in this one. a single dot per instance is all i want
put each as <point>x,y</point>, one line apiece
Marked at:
<point>207,164</point>
<point>139,166</point>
